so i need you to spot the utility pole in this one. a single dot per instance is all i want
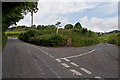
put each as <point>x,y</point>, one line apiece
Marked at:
<point>31,18</point>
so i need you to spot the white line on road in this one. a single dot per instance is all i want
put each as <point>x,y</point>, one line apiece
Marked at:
<point>43,51</point>
<point>58,60</point>
<point>80,54</point>
<point>85,70</point>
<point>66,59</point>
<point>42,73</point>
<point>51,56</point>
<point>35,60</point>
<point>75,72</point>
<point>74,64</point>
<point>46,53</point>
<point>98,77</point>
<point>65,65</point>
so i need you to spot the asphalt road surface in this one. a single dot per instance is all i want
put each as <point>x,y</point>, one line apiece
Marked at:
<point>24,60</point>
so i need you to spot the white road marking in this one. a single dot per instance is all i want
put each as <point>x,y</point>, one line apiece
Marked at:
<point>43,51</point>
<point>35,60</point>
<point>36,46</point>
<point>98,77</point>
<point>75,72</point>
<point>39,49</point>
<point>85,70</point>
<point>80,54</point>
<point>65,65</point>
<point>51,56</point>
<point>58,60</point>
<point>66,59</point>
<point>46,53</point>
<point>74,64</point>
<point>42,73</point>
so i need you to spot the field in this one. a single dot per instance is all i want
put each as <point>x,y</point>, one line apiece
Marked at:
<point>13,34</point>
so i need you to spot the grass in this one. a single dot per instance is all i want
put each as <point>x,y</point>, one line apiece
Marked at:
<point>13,34</point>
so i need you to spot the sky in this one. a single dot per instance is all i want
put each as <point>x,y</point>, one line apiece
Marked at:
<point>95,16</point>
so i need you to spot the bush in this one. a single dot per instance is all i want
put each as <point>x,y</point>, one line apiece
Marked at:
<point>115,39</point>
<point>4,40</point>
<point>27,35</point>
<point>57,40</point>
<point>42,40</point>
<point>79,37</point>
<point>53,40</point>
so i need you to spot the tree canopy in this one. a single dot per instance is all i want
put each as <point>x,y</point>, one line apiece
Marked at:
<point>77,26</point>
<point>13,12</point>
<point>47,27</point>
<point>69,26</point>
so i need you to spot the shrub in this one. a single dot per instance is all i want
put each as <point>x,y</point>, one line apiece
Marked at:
<point>4,40</point>
<point>57,40</point>
<point>115,39</point>
<point>27,35</point>
<point>42,40</point>
<point>79,37</point>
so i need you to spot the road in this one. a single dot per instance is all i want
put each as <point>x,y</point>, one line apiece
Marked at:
<point>24,60</point>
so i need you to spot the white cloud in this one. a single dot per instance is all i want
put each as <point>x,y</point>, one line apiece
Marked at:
<point>79,0</point>
<point>84,19</point>
<point>111,8</point>
<point>48,11</point>
<point>99,24</point>
<point>53,19</point>
<point>26,21</point>
<point>63,7</point>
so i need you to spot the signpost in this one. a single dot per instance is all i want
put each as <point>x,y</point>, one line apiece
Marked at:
<point>57,24</point>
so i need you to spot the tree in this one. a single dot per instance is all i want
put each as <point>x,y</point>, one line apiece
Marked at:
<point>77,26</point>
<point>40,27</point>
<point>69,26</point>
<point>33,26</point>
<point>50,27</point>
<point>19,27</point>
<point>13,12</point>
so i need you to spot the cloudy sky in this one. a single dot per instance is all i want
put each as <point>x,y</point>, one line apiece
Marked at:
<point>95,16</point>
